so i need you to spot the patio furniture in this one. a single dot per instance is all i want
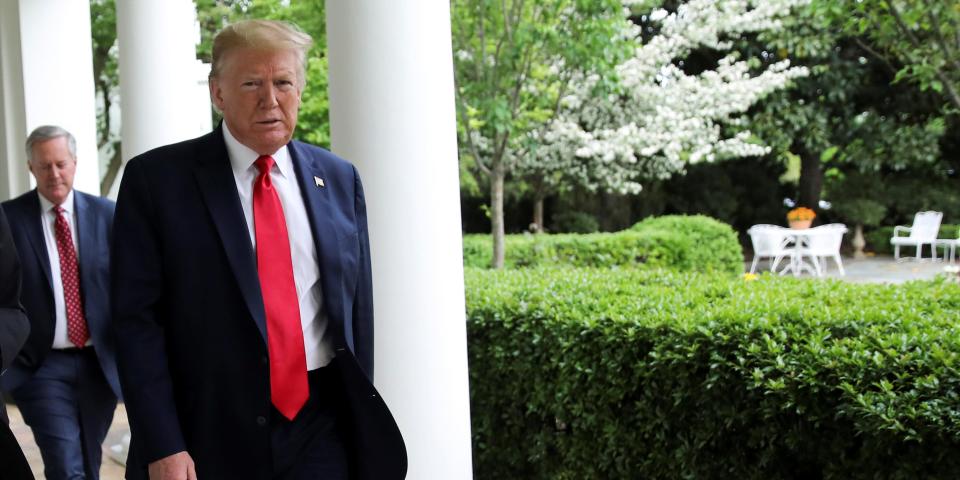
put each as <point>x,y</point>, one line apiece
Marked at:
<point>824,242</point>
<point>949,246</point>
<point>808,247</point>
<point>924,231</point>
<point>769,241</point>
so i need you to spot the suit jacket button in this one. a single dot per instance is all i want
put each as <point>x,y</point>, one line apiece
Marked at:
<point>261,421</point>
<point>265,360</point>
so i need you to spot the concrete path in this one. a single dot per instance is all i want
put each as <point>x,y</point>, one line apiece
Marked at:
<point>110,470</point>
<point>879,269</point>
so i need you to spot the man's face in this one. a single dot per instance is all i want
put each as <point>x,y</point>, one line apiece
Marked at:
<point>53,167</point>
<point>258,92</point>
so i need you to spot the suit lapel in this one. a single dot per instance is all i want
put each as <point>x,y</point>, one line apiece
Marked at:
<point>325,230</point>
<point>86,230</point>
<point>219,190</point>
<point>34,229</point>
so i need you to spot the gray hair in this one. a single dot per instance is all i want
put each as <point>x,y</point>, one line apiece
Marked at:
<point>264,35</point>
<point>50,132</point>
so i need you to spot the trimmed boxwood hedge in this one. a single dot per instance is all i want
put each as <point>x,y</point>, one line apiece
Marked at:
<point>878,240</point>
<point>684,243</point>
<point>634,373</point>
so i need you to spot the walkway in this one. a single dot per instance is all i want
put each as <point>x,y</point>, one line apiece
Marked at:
<point>110,470</point>
<point>881,269</point>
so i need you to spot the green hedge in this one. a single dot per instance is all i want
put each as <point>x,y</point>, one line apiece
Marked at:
<point>637,373</point>
<point>712,242</point>
<point>878,239</point>
<point>694,243</point>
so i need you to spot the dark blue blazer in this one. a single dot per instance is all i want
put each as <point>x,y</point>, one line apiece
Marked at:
<point>190,318</point>
<point>94,218</point>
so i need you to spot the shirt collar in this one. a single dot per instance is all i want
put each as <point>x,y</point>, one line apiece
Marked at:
<point>242,156</point>
<point>47,205</point>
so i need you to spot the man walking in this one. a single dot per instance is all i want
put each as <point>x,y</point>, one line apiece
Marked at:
<point>64,380</point>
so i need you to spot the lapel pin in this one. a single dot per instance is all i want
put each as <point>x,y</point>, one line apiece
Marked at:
<point>318,181</point>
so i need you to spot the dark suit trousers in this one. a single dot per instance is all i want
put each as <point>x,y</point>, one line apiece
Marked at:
<point>69,406</point>
<point>312,446</point>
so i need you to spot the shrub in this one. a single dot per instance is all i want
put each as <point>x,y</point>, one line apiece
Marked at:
<point>878,239</point>
<point>679,243</point>
<point>631,373</point>
<point>575,222</point>
<point>713,244</point>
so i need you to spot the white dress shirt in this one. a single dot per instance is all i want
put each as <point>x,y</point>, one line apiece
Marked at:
<point>48,218</point>
<point>306,267</point>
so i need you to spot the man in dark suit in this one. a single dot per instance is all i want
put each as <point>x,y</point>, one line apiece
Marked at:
<point>242,290</point>
<point>64,380</point>
<point>14,328</point>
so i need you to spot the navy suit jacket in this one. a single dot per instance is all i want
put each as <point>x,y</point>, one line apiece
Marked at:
<point>14,328</point>
<point>94,219</point>
<point>190,318</point>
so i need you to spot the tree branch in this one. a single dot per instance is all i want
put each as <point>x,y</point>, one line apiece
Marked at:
<point>876,54</point>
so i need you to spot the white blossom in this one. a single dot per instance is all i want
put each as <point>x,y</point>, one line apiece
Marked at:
<point>662,119</point>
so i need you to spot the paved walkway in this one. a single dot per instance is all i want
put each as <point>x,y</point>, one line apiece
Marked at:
<point>110,470</point>
<point>879,269</point>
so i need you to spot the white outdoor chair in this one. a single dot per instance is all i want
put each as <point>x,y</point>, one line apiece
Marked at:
<point>824,242</point>
<point>924,231</point>
<point>768,242</point>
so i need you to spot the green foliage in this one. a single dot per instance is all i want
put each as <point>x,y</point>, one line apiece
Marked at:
<point>694,243</point>
<point>714,244</point>
<point>581,373</point>
<point>575,222</point>
<point>919,37</point>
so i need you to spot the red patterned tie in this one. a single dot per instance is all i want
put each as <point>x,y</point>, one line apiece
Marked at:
<point>288,362</point>
<point>70,276</point>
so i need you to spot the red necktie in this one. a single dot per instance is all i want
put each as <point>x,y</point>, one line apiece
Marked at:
<point>288,361</point>
<point>70,276</point>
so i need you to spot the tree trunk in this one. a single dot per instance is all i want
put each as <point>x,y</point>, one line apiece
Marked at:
<point>538,214</point>
<point>497,175</point>
<point>811,179</point>
<point>113,168</point>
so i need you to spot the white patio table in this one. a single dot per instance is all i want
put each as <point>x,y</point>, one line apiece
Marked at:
<point>797,245</point>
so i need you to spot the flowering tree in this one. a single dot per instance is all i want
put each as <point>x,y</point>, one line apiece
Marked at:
<point>514,60</point>
<point>661,118</point>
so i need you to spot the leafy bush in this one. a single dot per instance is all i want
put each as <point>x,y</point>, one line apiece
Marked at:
<point>714,244</point>
<point>632,373</point>
<point>678,243</point>
<point>575,222</point>
<point>878,240</point>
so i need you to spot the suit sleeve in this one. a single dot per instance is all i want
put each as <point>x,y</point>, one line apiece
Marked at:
<point>363,299</point>
<point>14,326</point>
<point>136,294</point>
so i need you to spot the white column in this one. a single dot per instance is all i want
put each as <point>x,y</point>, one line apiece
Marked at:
<point>392,114</point>
<point>160,75</point>
<point>46,78</point>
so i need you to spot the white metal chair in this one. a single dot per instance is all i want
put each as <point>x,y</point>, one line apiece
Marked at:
<point>824,242</point>
<point>924,231</point>
<point>768,242</point>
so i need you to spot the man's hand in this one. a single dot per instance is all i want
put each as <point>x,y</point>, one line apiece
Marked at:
<point>178,466</point>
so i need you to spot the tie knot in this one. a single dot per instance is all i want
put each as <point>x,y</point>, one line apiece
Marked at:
<point>264,163</point>
<point>58,210</point>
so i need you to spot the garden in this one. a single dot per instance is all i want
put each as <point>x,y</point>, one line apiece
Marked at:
<point>614,156</point>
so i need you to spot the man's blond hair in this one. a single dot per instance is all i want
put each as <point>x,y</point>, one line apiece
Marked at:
<point>261,35</point>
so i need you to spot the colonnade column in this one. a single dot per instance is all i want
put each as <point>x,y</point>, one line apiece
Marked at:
<point>163,96</point>
<point>46,78</point>
<point>392,114</point>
